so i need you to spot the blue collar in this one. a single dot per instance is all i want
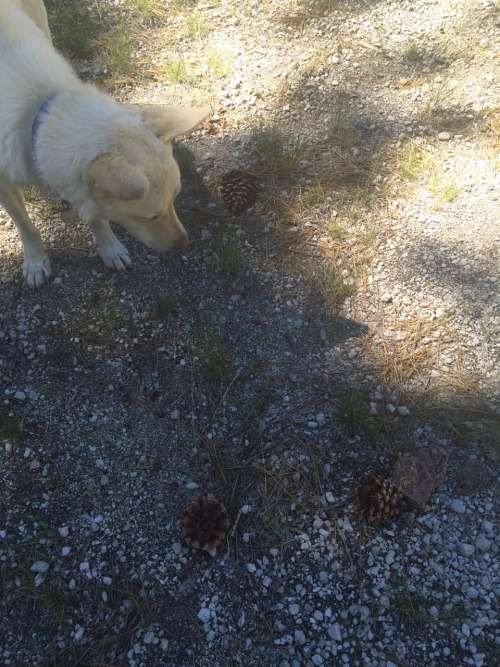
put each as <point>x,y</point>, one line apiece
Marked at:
<point>37,121</point>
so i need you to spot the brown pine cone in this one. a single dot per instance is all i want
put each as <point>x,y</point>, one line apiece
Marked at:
<point>377,499</point>
<point>238,190</point>
<point>204,523</point>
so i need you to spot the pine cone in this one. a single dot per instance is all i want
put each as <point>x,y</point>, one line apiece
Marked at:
<point>377,499</point>
<point>238,190</point>
<point>204,523</point>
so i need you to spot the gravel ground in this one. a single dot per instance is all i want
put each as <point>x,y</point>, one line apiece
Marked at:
<point>222,371</point>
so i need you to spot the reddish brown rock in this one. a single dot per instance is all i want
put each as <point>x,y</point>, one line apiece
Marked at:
<point>417,475</point>
<point>472,476</point>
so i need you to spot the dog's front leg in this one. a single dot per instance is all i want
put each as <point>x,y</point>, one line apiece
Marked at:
<point>36,267</point>
<point>113,253</point>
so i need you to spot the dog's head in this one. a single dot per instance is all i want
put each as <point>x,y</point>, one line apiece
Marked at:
<point>135,183</point>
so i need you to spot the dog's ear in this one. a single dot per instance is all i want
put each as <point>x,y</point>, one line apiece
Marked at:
<point>111,176</point>
<point>170,122</point>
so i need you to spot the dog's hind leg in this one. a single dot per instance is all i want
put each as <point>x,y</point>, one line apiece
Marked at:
<point>36,267</point>
<point>113,253</point>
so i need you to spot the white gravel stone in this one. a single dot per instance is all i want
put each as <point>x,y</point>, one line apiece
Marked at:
<point>458,505</point>
<point>472,592</point>
<point>482,543</point>
<point>487,526</point>
<point>204,614</point>
<point>300,637</point>
<point>334,632</point>
<point>466,549</point>
<point>40,566</point>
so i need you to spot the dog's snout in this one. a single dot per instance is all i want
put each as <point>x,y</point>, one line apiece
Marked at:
<point>184,244</point>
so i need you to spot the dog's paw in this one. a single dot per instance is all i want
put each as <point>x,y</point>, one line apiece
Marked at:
<point>37,270</point>
<point>115,256</point>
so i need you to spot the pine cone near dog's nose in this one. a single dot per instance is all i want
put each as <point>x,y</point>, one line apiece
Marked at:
<point>204,523</point>
<point>238,190</point>
<point>377,499</point>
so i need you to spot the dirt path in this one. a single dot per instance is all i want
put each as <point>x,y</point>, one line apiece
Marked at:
<point>350,315</point>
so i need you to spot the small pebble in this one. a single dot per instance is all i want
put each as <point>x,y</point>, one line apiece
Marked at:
<point>458,506</point>
<point>40,566</point>
<point>482,543</point>
<point>465,549</point>
<point>334,632</point>
<point>300,637</point>
<point>487,526</point>
<point>204,614</point>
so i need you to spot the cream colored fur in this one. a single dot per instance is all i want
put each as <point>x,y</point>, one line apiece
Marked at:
<point>113,163</point>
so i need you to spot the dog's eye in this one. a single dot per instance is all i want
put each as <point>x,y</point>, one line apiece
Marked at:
<point>155,217</point>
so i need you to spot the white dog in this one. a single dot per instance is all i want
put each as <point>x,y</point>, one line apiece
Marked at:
<point>112,162</point>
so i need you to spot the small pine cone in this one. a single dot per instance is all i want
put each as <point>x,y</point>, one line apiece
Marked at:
<point>377,499</point>
<point>204,523</point>
<point>238,190</point>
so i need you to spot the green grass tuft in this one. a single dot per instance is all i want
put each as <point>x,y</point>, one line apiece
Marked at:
<point>116,48</point>
<point>340,128</point>
<point>413,53</point>
<point>278,152</point>
<point>229,252</point>
<point>166,306</point>
<point>75,26</point>
<point>10,427</point>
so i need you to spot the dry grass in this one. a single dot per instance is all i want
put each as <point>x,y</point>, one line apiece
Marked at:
<point>428,368</point>
<point>491,142</point>
<point>278,151</point>
<point>407,353</point>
